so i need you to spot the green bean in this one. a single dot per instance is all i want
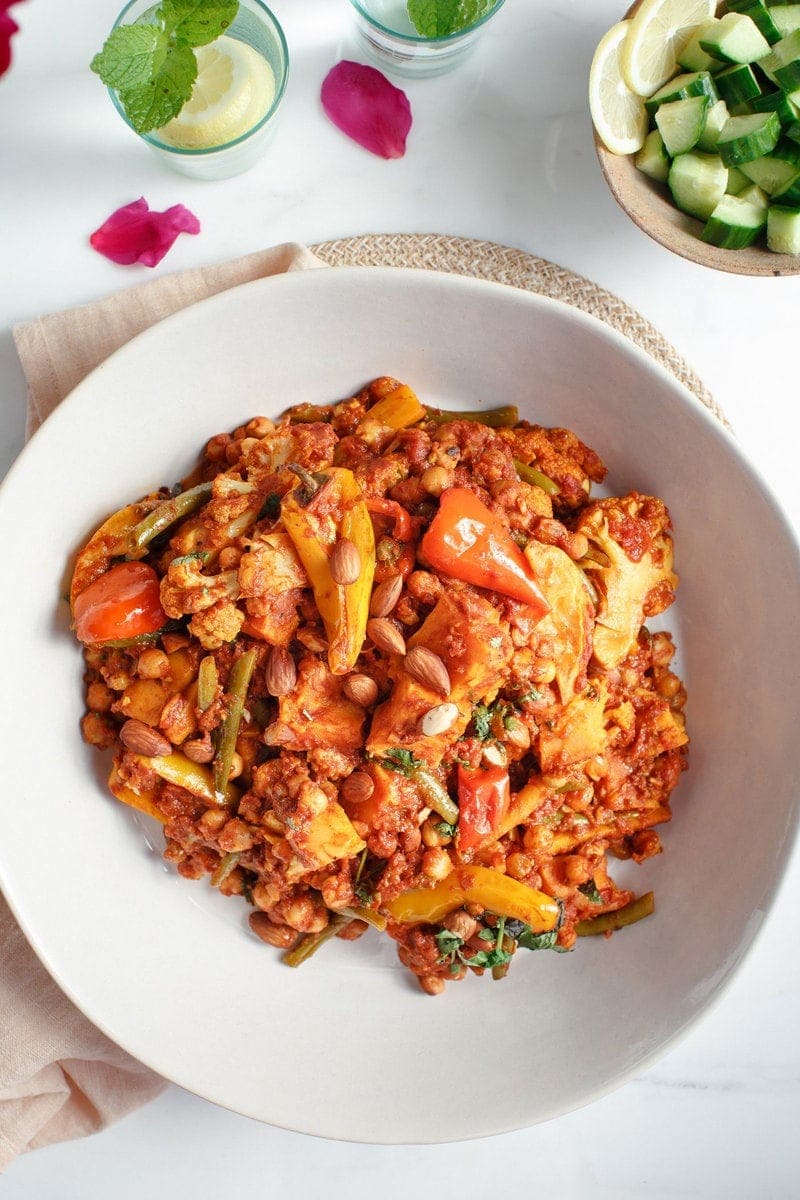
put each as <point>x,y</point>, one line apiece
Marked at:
<point>434,795</point>
<point>375,919</point>
<point>238,683</point>
<point>224,867</point>
<point>207,679</point>
<point>311,943</point>
<point>531,475</point>
<point>167,514</point>
<point>495,418</point>
<point>637,910</point>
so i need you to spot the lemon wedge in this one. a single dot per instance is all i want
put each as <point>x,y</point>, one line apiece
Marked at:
<point>234,89</point>
<point>618,113</point>
<point>659,32</point>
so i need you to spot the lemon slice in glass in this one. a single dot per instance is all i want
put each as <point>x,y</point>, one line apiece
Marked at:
<point>659,31</point>
<point>234,90</point>
<point>618,113</point>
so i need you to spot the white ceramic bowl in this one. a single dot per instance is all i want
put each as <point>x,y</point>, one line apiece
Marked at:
<point>347,1046</point>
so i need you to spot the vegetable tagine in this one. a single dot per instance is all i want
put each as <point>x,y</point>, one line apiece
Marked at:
<point>380,664</point>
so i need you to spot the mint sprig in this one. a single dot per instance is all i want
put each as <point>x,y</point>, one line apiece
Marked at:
<point>152,66</point>
<point>440,18</point>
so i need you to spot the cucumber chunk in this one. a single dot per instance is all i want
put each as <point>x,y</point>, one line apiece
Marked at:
<point>697,182</point>
<point>769,173</point>
<point>793,131</point>
<point>681,123</point>
<point>737,84</point>
<point>783,230</point>
<point>789,151</point>
<point>787,18</point>
<point>693,57</point>
<point>777,102</point>
<point>745,139</point>
<point>760,15</point>
<point>753,194</point>
<point>695,83</point>
<point>789,195</point>
<point>653,160</point>
<point>782,64</point>
<point>716,117</point>
<point>734,223</point>
<point>737,181</point>
<point>736,39</point>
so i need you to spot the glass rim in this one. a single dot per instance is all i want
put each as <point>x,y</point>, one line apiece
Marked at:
<point>415,39</point>
<point>196,152</point>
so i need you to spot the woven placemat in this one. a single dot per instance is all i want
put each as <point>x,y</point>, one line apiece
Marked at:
<point>503,264</point>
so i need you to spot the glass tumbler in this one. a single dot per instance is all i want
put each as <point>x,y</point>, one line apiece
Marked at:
<point>255,25</point>
<point>386,32</point>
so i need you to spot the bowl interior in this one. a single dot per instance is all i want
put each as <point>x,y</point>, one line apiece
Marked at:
<point>346,1046</point>
<point>650,206</point>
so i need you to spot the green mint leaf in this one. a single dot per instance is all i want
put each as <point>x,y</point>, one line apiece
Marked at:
<point>198,22</point>
<point>132,54</point>
<point>400,760</point>
<point>155,102</point>
<point>438,18</point>
<point>446,829</point>
<point>529,940</point>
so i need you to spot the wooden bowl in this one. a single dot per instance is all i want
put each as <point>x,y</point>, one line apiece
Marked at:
<point>650,206</point>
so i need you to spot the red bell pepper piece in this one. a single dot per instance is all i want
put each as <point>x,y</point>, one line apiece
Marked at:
<point>483,799</point>
<point>122,603</point>
<point>467,541</point>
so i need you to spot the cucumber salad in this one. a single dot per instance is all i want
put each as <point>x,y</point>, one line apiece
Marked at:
<point>719,121</point>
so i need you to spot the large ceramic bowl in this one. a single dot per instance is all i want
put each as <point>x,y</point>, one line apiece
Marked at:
<point>346,1046</point>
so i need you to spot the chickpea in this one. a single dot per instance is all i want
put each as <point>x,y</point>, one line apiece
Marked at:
<point>99,698</point>
<point>519,866</point>
<point>431,835</point>
<point>461,924</point>
<point>436,863</point>
<point>436,480</point>
<point>237,766</point>
<point>280,936</point>
<point>152,664</point>
<point>304,915</point>
<point>259,427</point>
<point>213,819</point>
<point>432,985</point>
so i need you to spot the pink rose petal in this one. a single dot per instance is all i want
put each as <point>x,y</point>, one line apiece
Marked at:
<point>368,108</point>
<point>135,234</point>
<point>8,28</point>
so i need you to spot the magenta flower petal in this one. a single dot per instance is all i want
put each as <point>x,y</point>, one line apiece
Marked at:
<point>135,234</point>
<point>8,27</point>
<point>368,108</point>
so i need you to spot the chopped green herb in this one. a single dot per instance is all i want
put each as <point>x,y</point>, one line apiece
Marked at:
<point>402,761</point>
<point>589,890</point>
<point>195,556</point>
<point>449,944</point>
<point>531,696</point>
<point>446,829</point>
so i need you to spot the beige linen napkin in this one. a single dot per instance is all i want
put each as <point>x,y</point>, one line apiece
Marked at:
<point>60,1077</point>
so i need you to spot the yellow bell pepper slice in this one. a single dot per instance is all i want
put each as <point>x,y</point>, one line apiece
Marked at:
<point>499,894</point>
<point>145,801</point>
<point>336,511</point>
<point>398,410</point>
<point>194,777</point>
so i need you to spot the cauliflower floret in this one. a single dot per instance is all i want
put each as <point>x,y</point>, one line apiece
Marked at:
<point>215,626</point>
<point>185,589</point>
<point>633,576</point>
<point>559,455</point>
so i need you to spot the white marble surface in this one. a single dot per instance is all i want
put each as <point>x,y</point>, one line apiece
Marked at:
<point>499,150</point>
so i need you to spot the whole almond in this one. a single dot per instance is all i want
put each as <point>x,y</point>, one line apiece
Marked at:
<point>439,719</point>
<point>428,669</point>
<point>361,689</point>
<point>385,596</point>
<point>345,562</point>
<point>357,788</point>
<point>281,675</point>
<point>386,636</point>
<point>143,739</point>
<point>199,749</point>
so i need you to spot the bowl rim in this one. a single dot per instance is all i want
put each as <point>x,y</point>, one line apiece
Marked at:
<point>335,276</point>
